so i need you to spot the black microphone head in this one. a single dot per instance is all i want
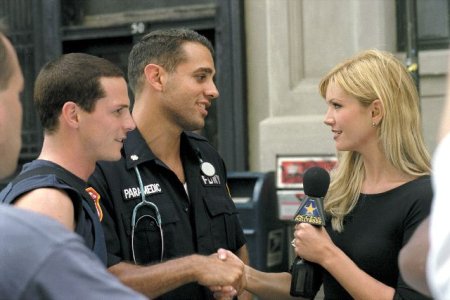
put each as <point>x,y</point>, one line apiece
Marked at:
<point>316,182</point>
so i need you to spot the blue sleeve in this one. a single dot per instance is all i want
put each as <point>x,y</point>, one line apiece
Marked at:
<point>73,272</point>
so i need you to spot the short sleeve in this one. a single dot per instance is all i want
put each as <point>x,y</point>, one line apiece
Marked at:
<point>71,271</point>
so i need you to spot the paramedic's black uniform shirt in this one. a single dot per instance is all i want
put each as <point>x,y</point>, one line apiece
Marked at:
<point>201,223</point>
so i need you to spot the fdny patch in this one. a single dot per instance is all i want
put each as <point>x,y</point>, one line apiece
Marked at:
<point>96,198</point>
<point>135,192</point>
<point>211,180</point>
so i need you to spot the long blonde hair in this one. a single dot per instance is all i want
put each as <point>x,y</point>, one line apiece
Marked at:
<point>371,75</point>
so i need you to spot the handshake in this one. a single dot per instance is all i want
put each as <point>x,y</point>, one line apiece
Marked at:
<point>224,274</point>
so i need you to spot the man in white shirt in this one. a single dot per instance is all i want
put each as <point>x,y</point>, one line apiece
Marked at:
<point>438,264</point>
<point>425,261</point>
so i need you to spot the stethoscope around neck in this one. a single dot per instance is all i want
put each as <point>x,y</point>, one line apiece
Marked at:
<point>206,168</point>
<point>135,222</point>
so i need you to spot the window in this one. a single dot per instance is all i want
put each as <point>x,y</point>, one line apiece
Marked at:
<point>433,24</point>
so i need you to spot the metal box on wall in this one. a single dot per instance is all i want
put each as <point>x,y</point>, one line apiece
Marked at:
<point>254,195</point>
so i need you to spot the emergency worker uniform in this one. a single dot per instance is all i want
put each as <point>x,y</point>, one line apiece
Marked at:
<point>45,174</point>
<point>201,220</point>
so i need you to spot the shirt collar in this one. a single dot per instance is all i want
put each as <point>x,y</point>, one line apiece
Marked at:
<point>136,150</point>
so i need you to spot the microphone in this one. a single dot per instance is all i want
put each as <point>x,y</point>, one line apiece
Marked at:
<point>306,275</point>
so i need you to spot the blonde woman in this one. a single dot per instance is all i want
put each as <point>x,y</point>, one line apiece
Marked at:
<point>380,190</point>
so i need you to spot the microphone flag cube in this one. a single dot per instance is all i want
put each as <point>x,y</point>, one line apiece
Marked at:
<point>310,211</point>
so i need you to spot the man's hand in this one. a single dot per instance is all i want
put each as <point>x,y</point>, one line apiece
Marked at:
<point>224,292</point>
<point>222,272</point>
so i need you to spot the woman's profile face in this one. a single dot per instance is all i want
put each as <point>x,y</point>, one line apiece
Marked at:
<point>349,120</point>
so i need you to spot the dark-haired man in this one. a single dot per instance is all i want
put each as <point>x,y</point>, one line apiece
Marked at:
<point>83,105</point>
<point>167,199</point>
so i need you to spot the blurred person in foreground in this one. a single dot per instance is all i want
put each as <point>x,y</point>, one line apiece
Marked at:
<point>425,260</point>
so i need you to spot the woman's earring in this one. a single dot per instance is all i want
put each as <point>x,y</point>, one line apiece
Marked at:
<point>374,124</point>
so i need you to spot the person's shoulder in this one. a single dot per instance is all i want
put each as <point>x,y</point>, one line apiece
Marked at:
<point>201,144</point>
<point>421,184</point>
<point>26,247</point>
<point>33,225</point>
<point>35,176</point>
<point>44,169</point>
<point>418,188</point>
<point>441,160</point>
<point>417,193</point>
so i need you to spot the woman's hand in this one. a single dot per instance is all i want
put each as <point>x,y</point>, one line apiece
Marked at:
<point>311,242</point>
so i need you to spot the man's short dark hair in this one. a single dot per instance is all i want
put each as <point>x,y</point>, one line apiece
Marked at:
<point>71,77</point>
<point>161,47</point>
